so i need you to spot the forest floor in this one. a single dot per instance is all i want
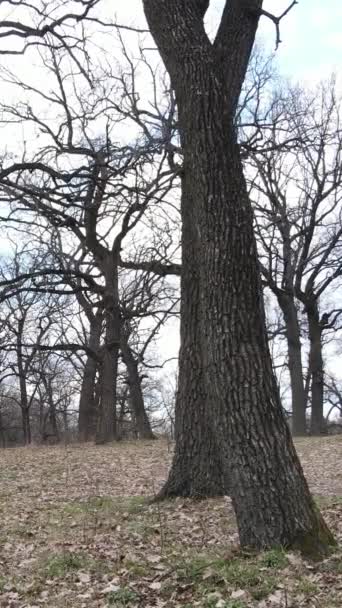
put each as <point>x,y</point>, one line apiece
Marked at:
<point>77,530</point>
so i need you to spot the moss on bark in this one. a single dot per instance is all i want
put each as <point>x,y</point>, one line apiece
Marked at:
<point>317,543</point>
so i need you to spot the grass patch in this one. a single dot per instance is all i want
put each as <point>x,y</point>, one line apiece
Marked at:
<point>141,527</point>
<point>122,597</point>
<point>238,573</point>
<point>324,502</point>
<point>62,564</point>
<point>275,558</point>
<point>106,504</point>
<point>307,587</point>
<point>137,569</point>
<point>8,475</point>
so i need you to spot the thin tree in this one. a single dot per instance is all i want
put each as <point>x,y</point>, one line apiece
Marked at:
<point>297,194</point>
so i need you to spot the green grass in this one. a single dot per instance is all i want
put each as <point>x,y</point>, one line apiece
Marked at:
<point>324,502</point>
<point>8,475</point>
<point>306,587</point>
<point>106,504</point>
<point>250,574</point>
<point>122,597</point>
<point>137,569</point>
<point>59,565</point>
<point>275,558</point>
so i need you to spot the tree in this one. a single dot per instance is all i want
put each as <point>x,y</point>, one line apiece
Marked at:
<point>29,319</point>
<point>97,203</point>
<point>87,413</point>
<point>223,334</point>
<point>297,194</point>
<point>147,302</point>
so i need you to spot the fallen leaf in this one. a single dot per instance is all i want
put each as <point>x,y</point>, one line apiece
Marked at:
<point>236,595</point>
<point>156,586</point>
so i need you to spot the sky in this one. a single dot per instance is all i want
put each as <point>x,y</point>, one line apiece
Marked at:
<point>311,36</point>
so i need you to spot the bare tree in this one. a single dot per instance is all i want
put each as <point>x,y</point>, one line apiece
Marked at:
<point>30,318</point>
<point>297,192</point>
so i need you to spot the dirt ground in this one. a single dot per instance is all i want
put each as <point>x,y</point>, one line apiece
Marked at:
<point>78,531</point>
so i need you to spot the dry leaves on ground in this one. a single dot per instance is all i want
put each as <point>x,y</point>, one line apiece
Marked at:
<point>79,531</point>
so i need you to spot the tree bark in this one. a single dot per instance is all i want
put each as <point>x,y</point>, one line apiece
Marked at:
<point>197,469</point>
<point>143,425</point>
<point>294,347</point>
<point>271,498</point>
<point>2,431</point>
<point>52,413</point>
<point>26,424</point>
<point>87,407</point>
<point>106,424</point>
<point>316,369</point>
<point>24,404</point>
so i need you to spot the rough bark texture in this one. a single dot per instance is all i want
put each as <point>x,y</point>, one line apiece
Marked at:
<point>106,423</point>
<point>270,495</point>
<point>142,422</point>
<point>197,469</point>
<point>88,408</point>
<point>316,369</point>
<point>294,346</point>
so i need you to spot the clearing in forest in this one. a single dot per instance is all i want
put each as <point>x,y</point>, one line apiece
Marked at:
<point>78,531</point>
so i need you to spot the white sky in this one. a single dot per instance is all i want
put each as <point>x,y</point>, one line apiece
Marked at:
<point>311,45</point>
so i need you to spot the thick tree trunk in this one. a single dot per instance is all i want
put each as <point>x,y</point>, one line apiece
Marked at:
<point>270,495</point>
<point>143,425</point>
<point>197,468</point>
<point>271,498</point>
<point>294,347</point>
<point>106,424</point>
<point>87,414</point>
<point>316,369</point>
<point>106,421</point>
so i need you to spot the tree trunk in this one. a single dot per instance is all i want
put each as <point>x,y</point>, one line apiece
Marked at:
<point>121,415</point>
<point>24,404</point>
<point>53,414</point>
<point>2,431</point>
<point>271,498</point>
<point>26,424</point>
<point>137,400</point>
<point>316,369</point>
<point>294,347</point>
<point>197,469</point>
<point>106,424</point>
<point>87,408</point>
<point>65,423</point>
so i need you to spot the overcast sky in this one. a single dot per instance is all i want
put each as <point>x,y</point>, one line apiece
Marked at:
<point>311,33</point>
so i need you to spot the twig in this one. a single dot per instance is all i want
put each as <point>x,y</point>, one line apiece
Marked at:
<point>277,20</point>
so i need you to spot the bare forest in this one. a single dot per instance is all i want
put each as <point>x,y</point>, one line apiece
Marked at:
<point>170,310</point>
